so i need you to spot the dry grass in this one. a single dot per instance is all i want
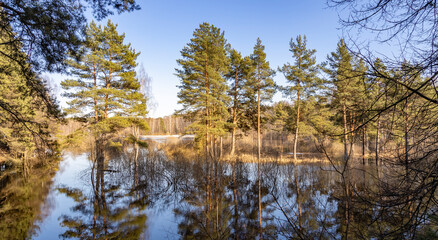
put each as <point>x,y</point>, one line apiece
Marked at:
<point>251,158</point>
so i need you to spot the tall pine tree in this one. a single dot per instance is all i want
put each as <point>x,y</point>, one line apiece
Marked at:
<point>118,67</point>
<point>240,75</point>
<point>83,91</point>
<point>263,84</point>
<point>264,87</point>
<point>203,87</point>
<point>106,84</point>
<point>301,76</point>
<point>340,72</point>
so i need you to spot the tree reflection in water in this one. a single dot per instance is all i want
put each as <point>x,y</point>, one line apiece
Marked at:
<point>219,200</point>
<point>115,206</point>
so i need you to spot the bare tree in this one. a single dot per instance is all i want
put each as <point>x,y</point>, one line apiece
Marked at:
<point>146,88</point>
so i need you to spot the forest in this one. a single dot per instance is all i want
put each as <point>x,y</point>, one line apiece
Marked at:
<point>350,152</point>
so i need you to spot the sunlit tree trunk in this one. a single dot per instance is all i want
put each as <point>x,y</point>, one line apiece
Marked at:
<point>363,141</point>
<point>298,121</point>
<point>345,132</point>
<point>233,133</point>
<point>377,140</point>
<point>258,157</point>
<point>108,84</point>
<point>406,138</point>
<point>95,93</point>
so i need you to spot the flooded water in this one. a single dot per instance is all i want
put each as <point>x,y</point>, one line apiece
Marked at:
<point>146,195</point>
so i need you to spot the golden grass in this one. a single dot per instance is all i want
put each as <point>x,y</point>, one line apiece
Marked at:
<point>250,158</point>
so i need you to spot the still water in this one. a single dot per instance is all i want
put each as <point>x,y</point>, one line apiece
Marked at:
<point>146,195</point>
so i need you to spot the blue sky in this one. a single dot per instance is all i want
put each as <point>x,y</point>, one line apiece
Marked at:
<point>162,28</point>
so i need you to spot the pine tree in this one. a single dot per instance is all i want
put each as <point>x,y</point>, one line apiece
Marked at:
<point>340,71</point>
<point>262,83</point>
<point>106,85</point>
<point>203,87</point>
<point>240,74</point>
<point>85,99</point>
<point>361,102</point>
<point>378,79</point>
<point>118,61</point>
<point>302,77</point>
<point>264,88</point>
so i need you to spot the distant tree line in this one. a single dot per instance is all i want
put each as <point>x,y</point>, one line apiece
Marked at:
<point>173,125</point>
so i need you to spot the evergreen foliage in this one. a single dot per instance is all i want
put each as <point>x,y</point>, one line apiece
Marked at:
<point>106,88</point>
<point>203,88</point>
<point>302,77</point>
<point>106,83</point>
<point>24,114</point>
<point>343,86</point>
<point>240,76</point>
<point>263,84</point>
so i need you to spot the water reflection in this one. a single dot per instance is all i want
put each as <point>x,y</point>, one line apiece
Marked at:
<point>211,199</point>
<point>127,194</point>
<point>21,198</point>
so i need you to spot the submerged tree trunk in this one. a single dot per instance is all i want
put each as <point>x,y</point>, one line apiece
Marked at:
<point>236,209</point>
<point>260,200</point>
<point>297,188</point>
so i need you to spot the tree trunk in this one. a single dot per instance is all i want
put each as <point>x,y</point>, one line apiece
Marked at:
<point>233,134</point>
<point>106,94</point>
<point>233,141</point>
<point>259,143</point>
<point>377,140</point>
<point>363,141</point>
<point>352,133</point>
<point>345,132</point>
<point>406,138</point>
<point>298,121</point>
<point>95,93</point>
<point>221,146</point>
<point>259,140</point>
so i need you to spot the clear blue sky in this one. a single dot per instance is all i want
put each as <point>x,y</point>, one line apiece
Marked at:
<point>162,28</point>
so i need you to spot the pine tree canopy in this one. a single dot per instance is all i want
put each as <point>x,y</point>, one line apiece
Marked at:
<point>203,87</point>
<point>302,74</point>
<point>263,74</point>
<point>105,81</point>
